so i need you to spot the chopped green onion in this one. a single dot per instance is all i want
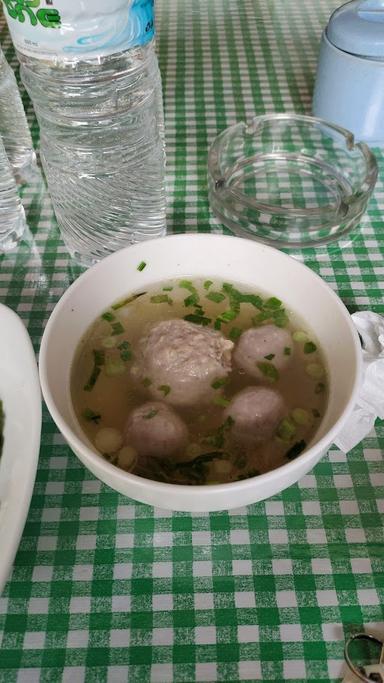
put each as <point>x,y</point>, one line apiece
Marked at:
<point>217,383</point>
<point>191,300</point>
<point>287,351</point>
<point>114,367</point>
<point>217,324</point>
<point>221,401</point>
<point>125,351</point>
<point>235,333</point>
<point>128,300</point>
<point>269,371</point>
<point>208,284</point>
<point>270,356</point>
<point>141,266</point>
<point>187,284</point>
<point>151,413</point>
<point>98,362</point>
<point>91,416</point>
<point>310,347</point>
<point>108,316</point>
<point>117,328</point>
<point>167,289</point>
<point>301,416</point>
<point>216,297</point>
<point>315,370</point>
<point>319,388</point>
<point>227,316</point>
<point>161,299</point>
<point>165,388</point>
<point>300,336</point>
<point>286,429</point>
<point>296,449</point>
<point>273,303</point>
<point>280,318</point>
<point>198,319</point>
<point>260,318</point>
<point>146,382</point>
<point>109,342</point>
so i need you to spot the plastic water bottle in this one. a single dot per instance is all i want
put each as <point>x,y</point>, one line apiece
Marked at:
<point>12,218</point>
<point>14,128</point>
<point>91,71</point>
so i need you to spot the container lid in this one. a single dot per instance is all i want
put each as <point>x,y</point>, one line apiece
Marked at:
<point>358,28</point>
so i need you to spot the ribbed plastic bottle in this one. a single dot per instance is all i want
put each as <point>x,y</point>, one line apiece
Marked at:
<point>14,128</point>
<point>12,218</point>
<point>91,71</point>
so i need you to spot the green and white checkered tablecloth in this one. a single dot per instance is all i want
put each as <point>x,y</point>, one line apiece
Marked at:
<point>108,590</point>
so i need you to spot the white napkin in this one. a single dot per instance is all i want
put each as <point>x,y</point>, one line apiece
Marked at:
<point>370,402</point>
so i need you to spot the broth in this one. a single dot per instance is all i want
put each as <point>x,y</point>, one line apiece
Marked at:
<point>105,390</point>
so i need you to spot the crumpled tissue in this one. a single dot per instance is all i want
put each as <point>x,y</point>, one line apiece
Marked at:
<point>370,402</point>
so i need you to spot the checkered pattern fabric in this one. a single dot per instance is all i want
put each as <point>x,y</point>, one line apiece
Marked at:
<point>108,590</point>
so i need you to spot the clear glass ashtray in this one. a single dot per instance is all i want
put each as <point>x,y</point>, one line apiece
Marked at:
<point>289,180</point>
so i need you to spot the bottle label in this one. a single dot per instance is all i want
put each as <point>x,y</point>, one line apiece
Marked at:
<point>66,28</point>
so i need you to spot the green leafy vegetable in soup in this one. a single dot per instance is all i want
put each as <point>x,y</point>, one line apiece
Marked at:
<point>214,384</point>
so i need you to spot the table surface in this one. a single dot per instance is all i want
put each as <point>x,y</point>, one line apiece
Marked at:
<point>106,589</point>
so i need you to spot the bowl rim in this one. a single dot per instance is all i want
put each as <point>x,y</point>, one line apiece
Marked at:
<point>88,455</point>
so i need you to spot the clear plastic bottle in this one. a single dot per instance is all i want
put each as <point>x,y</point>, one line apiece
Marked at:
<point>12,217</point>
<point>101,124</point>
<point>14,128</point>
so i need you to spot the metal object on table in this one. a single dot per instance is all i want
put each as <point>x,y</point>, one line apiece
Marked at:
<point>368,673</point>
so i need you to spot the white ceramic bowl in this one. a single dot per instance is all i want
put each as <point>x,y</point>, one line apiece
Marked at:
<point>21,397</point>
<point>250,264</point>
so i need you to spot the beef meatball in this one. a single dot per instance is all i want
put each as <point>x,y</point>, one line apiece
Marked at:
<point>154,429</point>
<point>256,413</point>
<point>267,343</point>
<point>179,361</point>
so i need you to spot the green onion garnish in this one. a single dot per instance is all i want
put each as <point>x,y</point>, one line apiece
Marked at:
<point>273,303</point>
<point>268,370</point>
<point>235,333</point>
<point>319,388</point>
<point>151,413</point>
<point>280,318</point>
<point>128,300</point>
<point>146,382</point>
<point>216,297</point>
<point>219,383</point>
<point>270,356</point>
<point>167,289</point>
<point>165,388</point>
<point>208,284</point>
<point>286,430</point>
<point>221,401</point>
<point>187,284</point>
<point>125,351</point>
<point>191,300</point>
<point>141,266</point>
<point>117,328</point>
<point>198,319</point>
<point>287,351</point>
<point>98,362</point>
<point>161,299</point>
<point>310,347</point>
<point>108,316</point>
<point>91,416</point>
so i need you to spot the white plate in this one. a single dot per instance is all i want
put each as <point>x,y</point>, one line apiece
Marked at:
<point>20,394</point>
